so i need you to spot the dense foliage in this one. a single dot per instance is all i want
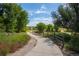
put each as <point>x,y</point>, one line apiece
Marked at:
<point>74,43</point>
<point>68,17</point>
<point>12,18</point>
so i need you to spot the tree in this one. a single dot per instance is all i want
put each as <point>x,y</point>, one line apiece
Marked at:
<point>69,18</point>
<point>57,22</point>
<point>13,17</point>
<point>65,17</point>
<point>49,28</point>
<point>41,27</point>
<point>8,17</point>
<point>75,8</point>
<point>22,21</point>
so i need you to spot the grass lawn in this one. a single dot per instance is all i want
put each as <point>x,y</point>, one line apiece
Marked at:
<point>11,42</point>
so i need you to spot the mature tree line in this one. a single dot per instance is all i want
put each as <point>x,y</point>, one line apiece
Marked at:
<point>12,18</point>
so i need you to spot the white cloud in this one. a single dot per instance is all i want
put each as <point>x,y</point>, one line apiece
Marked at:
<point>42,19</point>
<point>42,9</point>
<point>35,21</point>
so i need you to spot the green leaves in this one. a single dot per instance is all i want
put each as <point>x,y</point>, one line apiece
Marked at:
<point>50,28</point>
<point>67,17</point>
<point>13,17</point>
<point>41,27</point>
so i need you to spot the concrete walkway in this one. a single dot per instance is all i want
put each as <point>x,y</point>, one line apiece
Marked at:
<point>44,47</point>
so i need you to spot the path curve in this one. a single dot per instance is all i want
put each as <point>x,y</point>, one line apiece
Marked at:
<point>44,47</point>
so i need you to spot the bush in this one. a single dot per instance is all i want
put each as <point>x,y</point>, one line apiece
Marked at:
<point>67,37</point>
<point>74,43</point>
<point>12,41</point>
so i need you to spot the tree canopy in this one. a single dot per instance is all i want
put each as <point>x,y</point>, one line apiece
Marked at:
<point>12,17</point>
<point>67,17</point>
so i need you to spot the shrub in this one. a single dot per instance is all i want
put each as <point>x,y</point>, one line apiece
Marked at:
<point>67,37</point>
<point>74,43</point>
<point>13,41</point>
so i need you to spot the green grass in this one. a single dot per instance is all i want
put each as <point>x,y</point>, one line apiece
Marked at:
<point>12,41</point>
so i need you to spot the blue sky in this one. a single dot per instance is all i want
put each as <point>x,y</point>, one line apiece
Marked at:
<point>40,12</point>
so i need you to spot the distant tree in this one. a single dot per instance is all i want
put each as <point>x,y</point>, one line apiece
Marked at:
<point>41,27</point>
<point>49,28</point>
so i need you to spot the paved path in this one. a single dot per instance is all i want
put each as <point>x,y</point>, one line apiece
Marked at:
<point>44,47</point>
